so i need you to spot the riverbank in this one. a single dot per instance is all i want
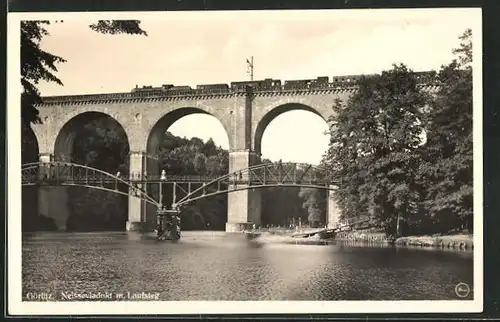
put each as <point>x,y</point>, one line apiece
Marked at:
<point>458,241</point>
<point>455,241</point>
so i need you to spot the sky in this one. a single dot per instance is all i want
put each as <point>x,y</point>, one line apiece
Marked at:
<point>190,48</point>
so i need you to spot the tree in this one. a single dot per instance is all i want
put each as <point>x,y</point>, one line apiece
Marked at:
<point>315,203</point>
<point>38,65</point>
<point>102,143</point>
<point>464,52</point>
<point>200,163</point>
<point>209,148</point>
<point>373,151</point>
<point>343,161</point>
<point>448,167</point>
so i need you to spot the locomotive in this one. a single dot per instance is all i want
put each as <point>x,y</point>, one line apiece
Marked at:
<point>167,89</point>
<point>179,90</point>
<point>147,91</point>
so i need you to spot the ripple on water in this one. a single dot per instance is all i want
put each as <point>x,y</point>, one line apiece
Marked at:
<point>219,266</point>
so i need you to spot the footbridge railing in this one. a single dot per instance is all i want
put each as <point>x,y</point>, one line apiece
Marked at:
<point>186,188</point>
<point>72,174</point>
<point>264,175</point>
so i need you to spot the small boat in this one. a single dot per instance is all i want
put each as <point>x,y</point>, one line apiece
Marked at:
<point>251,234</point>
<point>321,234</point>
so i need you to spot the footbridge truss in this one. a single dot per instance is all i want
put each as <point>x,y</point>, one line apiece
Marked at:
<point>186,188</point>
<point>265,175</point>
<point>72,174</point>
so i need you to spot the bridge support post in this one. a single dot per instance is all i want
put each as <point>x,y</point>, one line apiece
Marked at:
<point>136,217</point>
<point>333,210</point>
<point>244,206</point>
<point>53,201</point>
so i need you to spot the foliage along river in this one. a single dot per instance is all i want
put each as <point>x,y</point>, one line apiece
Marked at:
<point>220,266</point>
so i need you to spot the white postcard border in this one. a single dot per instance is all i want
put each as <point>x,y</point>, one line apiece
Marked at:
<point>14,273</point>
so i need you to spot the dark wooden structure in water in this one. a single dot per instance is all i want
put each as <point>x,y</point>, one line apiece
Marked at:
<point>322,233</point>
<point>168,224</point>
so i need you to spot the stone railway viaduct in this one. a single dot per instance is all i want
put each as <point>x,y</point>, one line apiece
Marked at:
<point>146,114</point>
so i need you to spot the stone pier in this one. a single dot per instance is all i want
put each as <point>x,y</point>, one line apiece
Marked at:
<point>53,203</point>
<point>52,200</point>
<point>244,206</point>
<point>136,208</point>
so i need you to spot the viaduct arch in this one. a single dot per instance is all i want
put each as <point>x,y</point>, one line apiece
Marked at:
<point>161,125</point>
<point>53,201</point>
<point>146,114</point>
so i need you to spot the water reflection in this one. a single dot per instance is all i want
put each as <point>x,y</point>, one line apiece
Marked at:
<point>219,266</point>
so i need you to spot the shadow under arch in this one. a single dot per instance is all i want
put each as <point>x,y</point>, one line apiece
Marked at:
<point>98,140</point>
<point>274,113</point>
<point>29,145</point>
<point>64,143</point>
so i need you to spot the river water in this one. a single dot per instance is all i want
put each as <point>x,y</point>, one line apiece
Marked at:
<point>220,266</point>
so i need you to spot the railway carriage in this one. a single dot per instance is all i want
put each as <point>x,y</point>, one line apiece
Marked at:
<point>212,88</point>
<point>266,84</point>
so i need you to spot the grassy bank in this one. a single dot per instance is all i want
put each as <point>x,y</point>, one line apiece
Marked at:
<point>461,241</point>
<point>458,241</point>
<point>455,241</point>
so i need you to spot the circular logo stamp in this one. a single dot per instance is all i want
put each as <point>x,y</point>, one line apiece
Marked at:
<point>462,289</point>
